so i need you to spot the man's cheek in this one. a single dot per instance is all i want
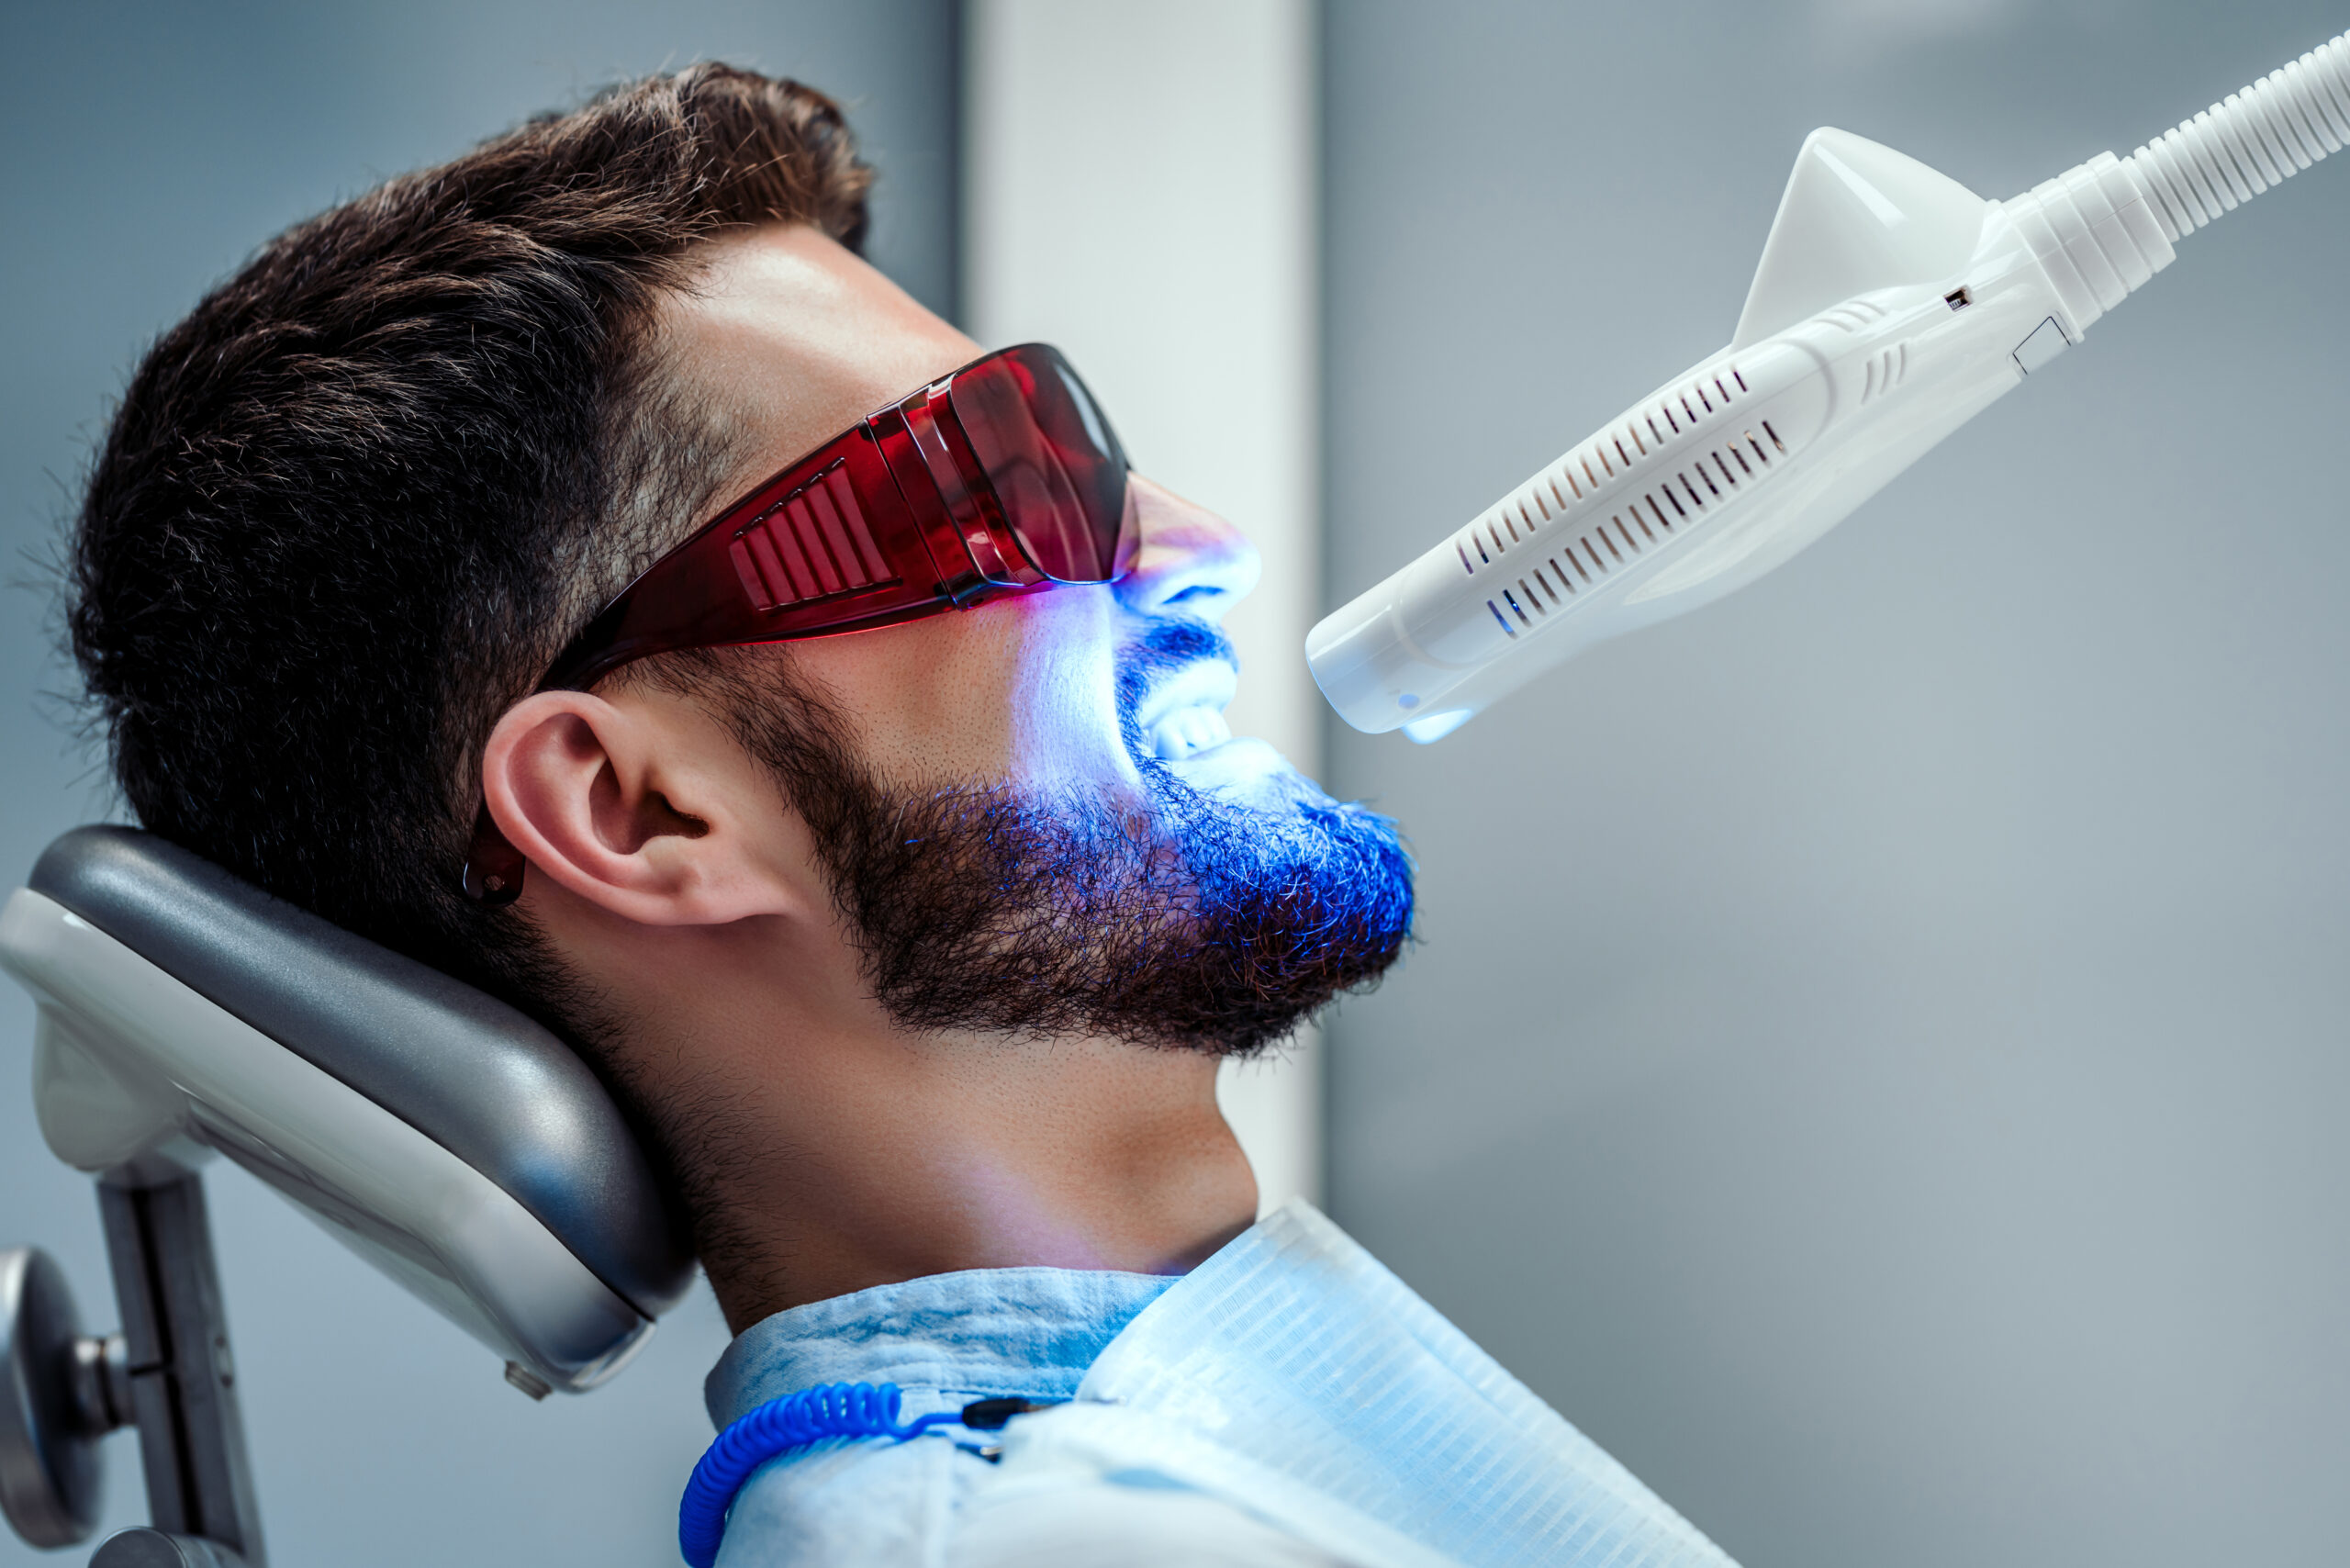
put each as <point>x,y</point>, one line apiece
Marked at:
<point>1060,700</point>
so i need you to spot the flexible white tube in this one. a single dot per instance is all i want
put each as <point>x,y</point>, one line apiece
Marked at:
<point>2249,141</point>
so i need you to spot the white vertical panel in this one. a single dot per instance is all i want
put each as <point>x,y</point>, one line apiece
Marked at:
<point>1140,189</point>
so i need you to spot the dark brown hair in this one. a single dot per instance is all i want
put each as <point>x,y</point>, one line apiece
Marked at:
<point>352,506</point>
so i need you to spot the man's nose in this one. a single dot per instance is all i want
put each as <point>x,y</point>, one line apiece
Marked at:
<point>1190,562</point>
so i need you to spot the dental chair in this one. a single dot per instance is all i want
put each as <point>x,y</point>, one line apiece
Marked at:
<point>449,1140</point>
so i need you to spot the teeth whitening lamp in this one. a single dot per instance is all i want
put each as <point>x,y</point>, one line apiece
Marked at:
<point>1892,306</point>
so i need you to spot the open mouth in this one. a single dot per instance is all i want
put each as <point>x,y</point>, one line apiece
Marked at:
<point>1181,725</point>
<point>1182,717</point>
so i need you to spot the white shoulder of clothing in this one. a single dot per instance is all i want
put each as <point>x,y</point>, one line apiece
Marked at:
<point>1099,1524</point>
<point>1289,1404</point>
<point>925,1503</point>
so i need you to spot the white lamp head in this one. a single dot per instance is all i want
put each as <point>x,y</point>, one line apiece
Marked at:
<point>1892,305</point>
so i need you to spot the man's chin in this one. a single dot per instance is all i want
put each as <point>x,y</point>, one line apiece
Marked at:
<point>1248,772</point>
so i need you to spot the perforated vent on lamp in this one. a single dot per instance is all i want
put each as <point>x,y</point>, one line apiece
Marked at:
<point>1634,525</point>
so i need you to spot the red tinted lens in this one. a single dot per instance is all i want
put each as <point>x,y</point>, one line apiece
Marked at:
<point>1054,461</point>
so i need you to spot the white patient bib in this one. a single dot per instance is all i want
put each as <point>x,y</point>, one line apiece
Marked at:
<point>1295,1377</point>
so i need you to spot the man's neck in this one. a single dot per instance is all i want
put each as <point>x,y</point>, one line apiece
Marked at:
<point>866,1160</point>
<point>822,1148</point>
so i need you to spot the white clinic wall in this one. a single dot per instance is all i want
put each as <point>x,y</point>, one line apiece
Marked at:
<point>1140,188</point>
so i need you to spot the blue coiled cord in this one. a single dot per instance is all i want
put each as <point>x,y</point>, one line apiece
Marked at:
<point>827,1410</point>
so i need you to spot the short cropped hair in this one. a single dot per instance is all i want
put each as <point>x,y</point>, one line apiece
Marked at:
<point>351,507</point>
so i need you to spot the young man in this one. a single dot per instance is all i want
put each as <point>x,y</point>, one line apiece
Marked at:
<point>883,845</point>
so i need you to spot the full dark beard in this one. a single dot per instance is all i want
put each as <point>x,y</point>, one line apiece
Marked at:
<point>1188,920</point>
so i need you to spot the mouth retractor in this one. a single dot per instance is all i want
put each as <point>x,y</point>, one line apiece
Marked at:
<point>1891,306</point>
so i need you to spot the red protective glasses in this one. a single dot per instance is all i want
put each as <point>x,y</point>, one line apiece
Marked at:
<point>1002,477</point>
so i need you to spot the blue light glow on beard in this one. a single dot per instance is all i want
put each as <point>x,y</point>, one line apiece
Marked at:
<point>1282,873</point>
<point>1210,919</point>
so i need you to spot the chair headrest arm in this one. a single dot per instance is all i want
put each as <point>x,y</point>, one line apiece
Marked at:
<point>490,1085</point>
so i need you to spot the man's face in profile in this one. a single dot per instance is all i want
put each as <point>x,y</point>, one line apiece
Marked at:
<point>1031,815</point>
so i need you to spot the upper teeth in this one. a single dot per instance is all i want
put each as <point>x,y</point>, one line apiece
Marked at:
<point>1188,730</point>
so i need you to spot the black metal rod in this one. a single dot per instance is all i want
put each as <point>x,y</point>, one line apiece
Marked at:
<point>191,1437</point>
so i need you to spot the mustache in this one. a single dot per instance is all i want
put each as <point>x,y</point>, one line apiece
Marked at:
<point>1165,647</point>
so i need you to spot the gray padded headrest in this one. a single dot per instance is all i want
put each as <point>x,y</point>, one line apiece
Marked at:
<point>490,1086</point>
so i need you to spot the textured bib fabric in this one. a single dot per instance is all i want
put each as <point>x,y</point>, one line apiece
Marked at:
<point>1296,1377</point>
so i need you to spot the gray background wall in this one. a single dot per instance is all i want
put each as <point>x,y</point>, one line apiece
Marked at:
<point>1878,1057</point>
<point>144,150</point>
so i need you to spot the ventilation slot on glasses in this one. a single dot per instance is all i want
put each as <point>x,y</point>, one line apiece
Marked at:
<point>813,545</point>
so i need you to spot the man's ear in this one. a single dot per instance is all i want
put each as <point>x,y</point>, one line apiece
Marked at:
<point>611,802</point>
